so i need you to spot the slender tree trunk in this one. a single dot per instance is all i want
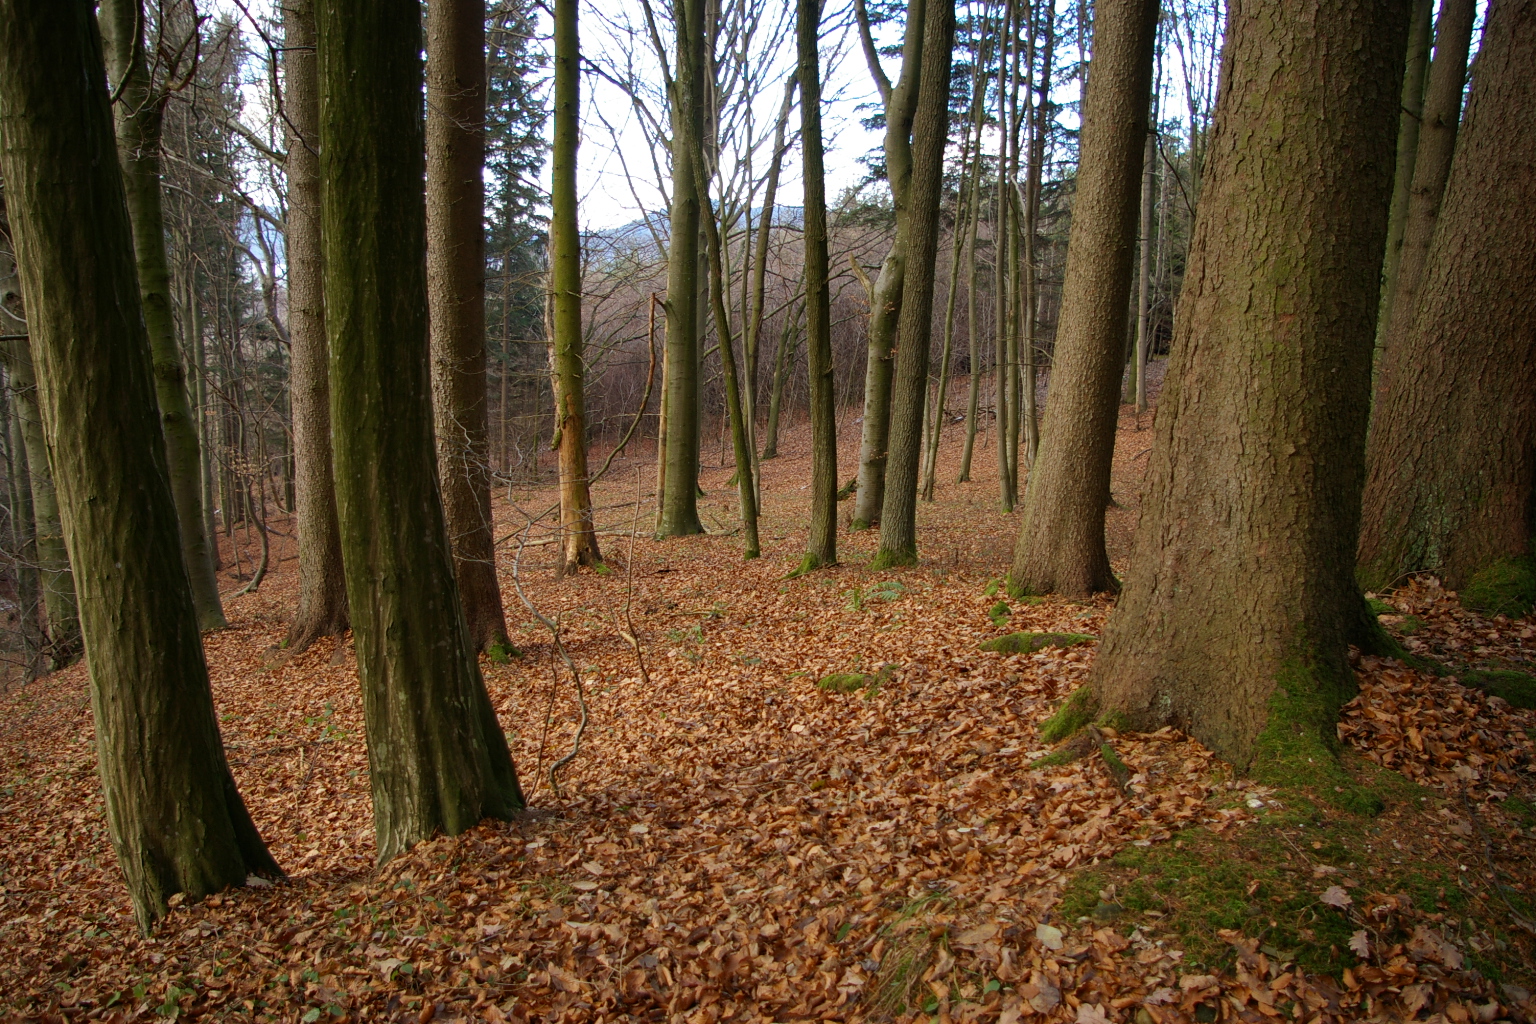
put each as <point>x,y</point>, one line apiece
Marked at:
<point>821,547</point>
<point>1003,237</point>
<point>1415,72</point>
<point>886,300</point>
<point>579,536</point>
<point>139,110</point>
<point>930,128</point>
<point>1061,536</point>
<point>1037,140</point>
<point>1452,463</point>
<point>1432,164</point>
<point>438,757</point>
<point>936,414</point>
<point>456,293</point>
<point>158,750</point>
<point>759,278</point>
<point>322,584</point>
<point>23,548</point>
<point>973,390</point>
<point>1144,268</point>
<point>1240,598</point>
<point>783,361</point>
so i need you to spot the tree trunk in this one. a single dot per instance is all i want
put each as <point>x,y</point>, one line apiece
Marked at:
<point>456,293</point>
<point>1061,534</point>
<point>1451,462</point>
<point>177,822</point>
<point>579,541</point>
<point>754,330</point>
<point>885,302</point>
<point>438,757</point>
<point>23,540</point>
<point>783,360</point>
<point>1414,73</point>
<point>1432,164</point>
<point>322,584</point>
<point>821,547</point>
<point>930,128</point>
<point>1240,598</point>
<point>1144,269</point>
<point>679,508</point>
<point>139,110</point>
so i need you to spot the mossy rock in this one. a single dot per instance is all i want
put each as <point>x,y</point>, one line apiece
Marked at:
<point>1506,587</point>
<point>1516,687</point>
<point>1029,643</point>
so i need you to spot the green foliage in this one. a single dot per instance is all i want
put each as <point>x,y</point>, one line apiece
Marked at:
<point>1505,587</point>
<point>884,590</point>
<point>1078,711</point>
<point>1516,687</point>
<point>1029,643</point>
<point>843,682</point>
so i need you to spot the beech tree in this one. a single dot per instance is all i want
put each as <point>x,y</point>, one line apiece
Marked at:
<point>322,607</point>
<point>439,760</point>
<point>1060,547</point>
<point>456,294</point>
<point>1451,465</point>
<point>1240,598</point>
<point>139,111</point>
<point>178,824</point>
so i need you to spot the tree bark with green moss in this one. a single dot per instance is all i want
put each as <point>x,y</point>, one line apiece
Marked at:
<point>139,113</point>
<point>438,758</point>
<point>1060,546</point>
<point>178,824</point>
<point>930,132</point>
<point>1451,463</point>
<point>1240,600</point>
<point>322,607</point>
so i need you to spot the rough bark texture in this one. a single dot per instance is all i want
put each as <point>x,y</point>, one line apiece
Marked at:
<point>885,302</point>
<point>1061,533</point>
<point>1144,270</point>
<point>1240,595</point>
<point>1452,455</point>
<point>322,584</point>
<point>177,822</point>
<point>821,547</point>
<point>930,129</point>
<point>138,112</point>
<point>1415,71</point>
<point>1432,163</point>
<point>579,542</point>
<point>456,297</point>
<point>438,757</point>
<point>679,504</point>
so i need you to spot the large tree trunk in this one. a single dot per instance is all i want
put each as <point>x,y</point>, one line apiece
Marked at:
<point>1432,163</point>
<point>1061,533</point>
<point>1240,597</point>
<point>322,584</point>
<point>930,130</point>
<point>438,757</point>
<point>1414,73</point>
<point>456,294</point>
<point>177,822</point>
<point>579,541</point>
<point>885,301</point>
<point>1452,461</point>
<point>821,547</point>
<point>679,505</point>
<point>139,112</point>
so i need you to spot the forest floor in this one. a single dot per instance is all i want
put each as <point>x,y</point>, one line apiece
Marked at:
<point>734,842</point>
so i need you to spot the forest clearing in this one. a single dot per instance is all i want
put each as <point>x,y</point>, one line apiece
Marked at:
<point>735,842</point>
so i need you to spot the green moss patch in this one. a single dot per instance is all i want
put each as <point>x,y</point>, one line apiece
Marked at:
<point>1379,607</point>
<point>1506,587</point>
<point>1029,643</point>
<point>844,682</point>
<point>999,613</point>
<point>1075,714</point>
<point>1298,746</point>
<point>1516,687</point>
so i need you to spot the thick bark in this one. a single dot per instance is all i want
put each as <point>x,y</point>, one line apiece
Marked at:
<point>438,757</point>
<point>821,547</point>
<point>456,297</point>
<point>579,540</point>
<point>1414,73</point>
<point>1240,598</point>
<point>1451,461</point>
<point>1432,164</point>
<point>1061,534</point>
<point>930,129</point>
<point>322,584</point>
<point>177,822</point>
<point>138,113</point>
<point>885,301</point>
<point>679,506</point>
